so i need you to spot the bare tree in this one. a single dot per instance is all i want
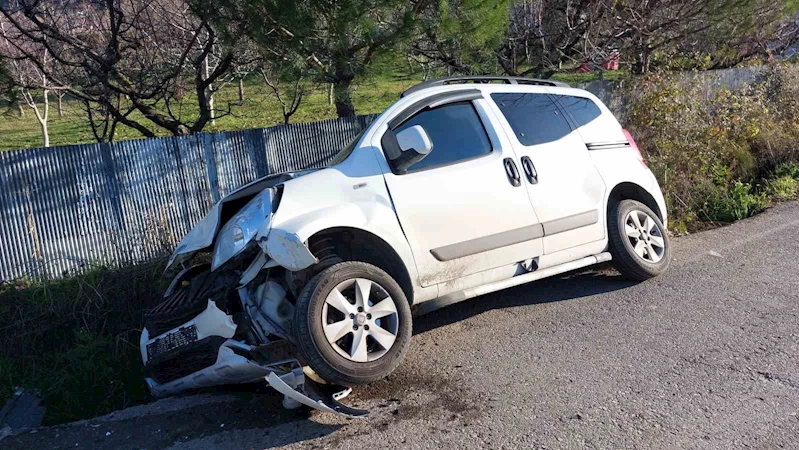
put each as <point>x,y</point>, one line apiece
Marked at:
<point>30,79</point>
<point>528,37</point>
<point>545,35</point>
<point>289,99</point>
<point>60,97</point>
<point>142,51</point>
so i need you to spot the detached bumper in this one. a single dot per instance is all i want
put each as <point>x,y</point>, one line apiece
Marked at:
<point>231,368</point>
<point>202,353</point>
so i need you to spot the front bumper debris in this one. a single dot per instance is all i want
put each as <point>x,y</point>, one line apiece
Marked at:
<point>205,351</point>
<point>297,390</point>
<point>233,368</point>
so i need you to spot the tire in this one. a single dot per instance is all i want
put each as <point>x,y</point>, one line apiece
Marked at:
<point>317,310</point>
<point>636,261</point>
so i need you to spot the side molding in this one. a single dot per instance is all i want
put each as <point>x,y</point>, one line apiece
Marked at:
<point>511,237</point>
<point>486,243</point>
<point>571,222</point>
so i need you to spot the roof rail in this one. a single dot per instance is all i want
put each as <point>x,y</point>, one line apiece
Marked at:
<point>478,79</point>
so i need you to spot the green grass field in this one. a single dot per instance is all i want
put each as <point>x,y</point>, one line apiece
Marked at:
<point>260,109</point>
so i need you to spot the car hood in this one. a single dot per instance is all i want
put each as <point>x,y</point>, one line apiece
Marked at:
<point>203,234</point>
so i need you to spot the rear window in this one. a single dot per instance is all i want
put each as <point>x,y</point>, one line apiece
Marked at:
<point>534,118</point>
<point>584,110</point>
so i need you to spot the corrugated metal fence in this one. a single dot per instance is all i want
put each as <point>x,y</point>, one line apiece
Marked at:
<point>62,208</point>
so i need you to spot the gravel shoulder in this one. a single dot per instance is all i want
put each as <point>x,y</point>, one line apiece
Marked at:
<point>702,357</point>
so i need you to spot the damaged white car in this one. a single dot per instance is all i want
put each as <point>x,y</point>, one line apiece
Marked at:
<point>462,187</point>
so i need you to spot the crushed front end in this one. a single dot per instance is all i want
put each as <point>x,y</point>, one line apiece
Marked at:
<point>226,318</point>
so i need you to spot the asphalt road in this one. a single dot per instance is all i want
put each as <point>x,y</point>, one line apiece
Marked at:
<point>706,356</point>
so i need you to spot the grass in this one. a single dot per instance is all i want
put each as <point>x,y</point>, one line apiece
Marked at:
<point>260,109</point>
<point>76,340</point>
<point>785,183</point>
<point>578,78</point>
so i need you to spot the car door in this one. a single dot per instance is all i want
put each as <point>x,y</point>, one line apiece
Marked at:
<point>565,188</point>
<point>460,210</point>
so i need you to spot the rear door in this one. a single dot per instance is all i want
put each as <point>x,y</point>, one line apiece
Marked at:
<point>459,209</point>
<point>567,191</point>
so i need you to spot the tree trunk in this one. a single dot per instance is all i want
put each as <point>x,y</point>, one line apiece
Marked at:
<point>45,133</point>
<point>642,56</point>
<point>241,89</point>
<point>343,92</point>
<point>330,94</point>
<point>210,93</point>
<point>41,116</point>
<point>20,98</point>
<point>60,106</point>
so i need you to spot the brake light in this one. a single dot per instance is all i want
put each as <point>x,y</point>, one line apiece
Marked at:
<point>634,146</point>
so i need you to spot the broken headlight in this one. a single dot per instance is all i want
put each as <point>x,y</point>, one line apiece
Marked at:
<point>242,228</point>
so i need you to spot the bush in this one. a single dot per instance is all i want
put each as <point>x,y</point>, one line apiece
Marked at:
<point>76,340</point>
<point>707,149</point>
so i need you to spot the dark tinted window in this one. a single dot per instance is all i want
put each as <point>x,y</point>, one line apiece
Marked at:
<point>583,109</point>
<point>534,117</point>
<point>456,132</point>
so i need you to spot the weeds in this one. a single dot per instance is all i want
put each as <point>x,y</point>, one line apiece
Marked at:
<point>789,170</point>
<point>76,340</point>
<point>736,203</point>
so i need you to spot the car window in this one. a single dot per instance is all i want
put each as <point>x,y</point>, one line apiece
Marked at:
<point>456,131</point>
<point>584,110</point>
<point>534,118</point>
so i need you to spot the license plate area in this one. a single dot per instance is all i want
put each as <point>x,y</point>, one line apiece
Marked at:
<point>180,338</point>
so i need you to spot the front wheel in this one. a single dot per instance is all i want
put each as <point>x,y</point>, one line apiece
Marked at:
<point>352,324</point>
<point>639,242</point>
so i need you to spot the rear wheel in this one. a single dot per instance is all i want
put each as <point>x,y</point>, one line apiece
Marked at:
<point>638,240</point>
<point>353,324</point>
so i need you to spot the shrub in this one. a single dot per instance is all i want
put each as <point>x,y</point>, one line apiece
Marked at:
<point>708,148</point>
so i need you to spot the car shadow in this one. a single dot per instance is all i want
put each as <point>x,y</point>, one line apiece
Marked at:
<point>569,286</point>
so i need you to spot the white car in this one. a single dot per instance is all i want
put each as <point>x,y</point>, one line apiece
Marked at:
<point>462,187</point>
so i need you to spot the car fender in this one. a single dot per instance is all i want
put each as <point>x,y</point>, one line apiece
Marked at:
<point>338,198</point>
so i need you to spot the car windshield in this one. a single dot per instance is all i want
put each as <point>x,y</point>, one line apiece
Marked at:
<point>345,152</point>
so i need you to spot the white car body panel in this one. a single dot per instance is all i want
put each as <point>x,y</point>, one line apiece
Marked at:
<point>486,205</point>
<point>352,194</point>
<point>568,183</point>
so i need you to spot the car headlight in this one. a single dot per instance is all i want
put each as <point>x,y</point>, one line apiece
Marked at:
<point>242,228</point>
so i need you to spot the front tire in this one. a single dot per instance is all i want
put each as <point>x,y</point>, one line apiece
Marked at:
<point>639,242</point>
<point>352,324</point>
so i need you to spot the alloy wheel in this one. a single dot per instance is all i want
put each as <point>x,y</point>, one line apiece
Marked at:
<point>645,236</point>
<point>360,320</point>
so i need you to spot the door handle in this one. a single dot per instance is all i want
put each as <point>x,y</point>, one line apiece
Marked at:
<point>512,172</point>
<point>529,170</point>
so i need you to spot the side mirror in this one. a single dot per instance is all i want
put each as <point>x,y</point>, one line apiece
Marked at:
<point>414,145</point>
